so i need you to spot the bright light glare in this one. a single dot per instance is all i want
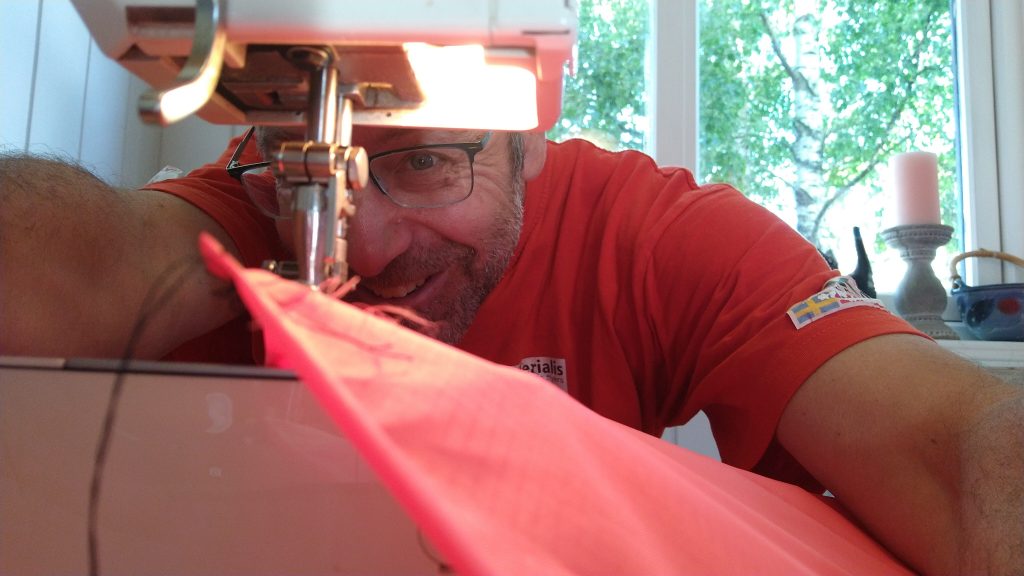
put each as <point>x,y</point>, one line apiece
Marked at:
<point>463,90</point>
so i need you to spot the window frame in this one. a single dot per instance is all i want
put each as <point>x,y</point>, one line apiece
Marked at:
<point>993,51</point>
<point>978,164</point>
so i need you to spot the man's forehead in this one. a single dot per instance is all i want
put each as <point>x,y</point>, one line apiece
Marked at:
<point>390,137</point>
<point>378,138</point>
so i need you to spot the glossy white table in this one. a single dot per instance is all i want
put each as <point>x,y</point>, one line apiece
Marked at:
<point>210,471</point>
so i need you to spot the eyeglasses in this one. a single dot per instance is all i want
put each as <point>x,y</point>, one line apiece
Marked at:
<point>426,176</point>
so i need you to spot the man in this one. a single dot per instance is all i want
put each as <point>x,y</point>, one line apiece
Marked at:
<point>644,296</point>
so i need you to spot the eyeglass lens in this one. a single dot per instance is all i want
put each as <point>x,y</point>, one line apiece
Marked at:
<point>424,178</point>
<point>427,177</point>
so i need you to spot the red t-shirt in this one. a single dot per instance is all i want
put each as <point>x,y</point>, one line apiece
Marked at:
<point>651,298</point>
<point>643,295</point>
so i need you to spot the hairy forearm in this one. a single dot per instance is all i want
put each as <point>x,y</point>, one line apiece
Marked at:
<point>924,447</point>
<point>992,490</point>
<point>46,248</point>
<point>78,257</point>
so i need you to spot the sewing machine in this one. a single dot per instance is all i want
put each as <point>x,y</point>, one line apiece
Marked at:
<point>210,470</point>
<point>328,65</point>
<point>216,469</point>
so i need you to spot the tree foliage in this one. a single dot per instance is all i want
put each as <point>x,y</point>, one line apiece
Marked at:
<point>882,82</point>
<point>605,100</point>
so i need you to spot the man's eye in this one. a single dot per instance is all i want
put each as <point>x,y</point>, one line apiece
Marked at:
<point>422,161</point>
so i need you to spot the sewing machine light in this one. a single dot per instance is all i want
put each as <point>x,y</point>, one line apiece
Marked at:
<point>462,86</point>
<point>376,45</point>
<point>329,64</point>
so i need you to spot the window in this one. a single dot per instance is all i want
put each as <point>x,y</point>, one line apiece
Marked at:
<point>890,77</point>
<point>606,100</point>
<point>803,103</point>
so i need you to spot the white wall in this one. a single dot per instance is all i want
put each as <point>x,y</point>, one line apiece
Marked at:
<point>63,96</point>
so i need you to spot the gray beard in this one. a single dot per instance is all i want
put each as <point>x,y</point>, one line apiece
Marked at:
<point>452,313</point>
<point>458,313</point>
<point>453,316</point>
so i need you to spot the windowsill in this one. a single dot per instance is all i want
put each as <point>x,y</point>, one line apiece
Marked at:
<point>988,354</point>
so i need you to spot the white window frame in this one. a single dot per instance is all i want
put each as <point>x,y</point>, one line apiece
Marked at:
<point>674,100</point>
<point>991,94</point>
<point>992,128</point>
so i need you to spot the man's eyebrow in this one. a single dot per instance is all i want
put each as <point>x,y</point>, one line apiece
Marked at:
<point>415,137</point>
<point>392,139</point>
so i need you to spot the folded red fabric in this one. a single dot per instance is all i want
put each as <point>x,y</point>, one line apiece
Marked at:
<point>506,474</point>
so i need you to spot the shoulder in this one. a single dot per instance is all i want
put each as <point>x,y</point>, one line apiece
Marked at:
<point>625,190</point>
<point>220,197</point>
<point>578,162</point>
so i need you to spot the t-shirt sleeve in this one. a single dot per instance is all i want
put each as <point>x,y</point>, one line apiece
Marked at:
<point>722,274</point>
<point>220,196</point>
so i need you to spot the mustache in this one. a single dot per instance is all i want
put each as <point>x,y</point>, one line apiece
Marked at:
<point>416,264</point>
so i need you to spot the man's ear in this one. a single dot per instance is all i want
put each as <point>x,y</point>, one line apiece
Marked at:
<point>535,152</point>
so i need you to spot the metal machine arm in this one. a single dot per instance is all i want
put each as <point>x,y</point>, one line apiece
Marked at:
<point>329,64</point>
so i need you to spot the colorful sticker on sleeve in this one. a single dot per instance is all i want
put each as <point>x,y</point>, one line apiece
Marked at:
<point>839,293</point>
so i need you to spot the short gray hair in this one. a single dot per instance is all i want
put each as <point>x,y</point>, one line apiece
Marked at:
<point>516,151</point>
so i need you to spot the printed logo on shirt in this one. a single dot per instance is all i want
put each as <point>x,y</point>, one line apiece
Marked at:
<point>838,294</point>
<point>550,369</point>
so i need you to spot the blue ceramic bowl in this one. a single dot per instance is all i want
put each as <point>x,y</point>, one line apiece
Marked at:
<point>994,312</point>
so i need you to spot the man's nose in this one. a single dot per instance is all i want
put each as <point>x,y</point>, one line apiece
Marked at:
<point>377,232</point>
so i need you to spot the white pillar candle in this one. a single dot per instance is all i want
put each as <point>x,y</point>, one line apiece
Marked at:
<point>915,183</point>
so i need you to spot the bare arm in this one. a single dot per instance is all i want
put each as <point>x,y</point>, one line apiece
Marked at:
<point>78,257</point>
<point>926,449</point>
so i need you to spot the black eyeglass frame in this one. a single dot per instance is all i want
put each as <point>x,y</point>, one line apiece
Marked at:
<point>235,170</point>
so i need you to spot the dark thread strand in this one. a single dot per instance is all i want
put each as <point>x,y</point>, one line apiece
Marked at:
<point>442,566</point>
<point>175,276</point>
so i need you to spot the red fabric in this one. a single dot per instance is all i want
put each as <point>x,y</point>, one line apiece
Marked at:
<point>647,297</point>
<point>507,475</point>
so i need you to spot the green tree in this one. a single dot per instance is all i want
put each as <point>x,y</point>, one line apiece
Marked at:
<point>810,97</point>
<point>605,100</point>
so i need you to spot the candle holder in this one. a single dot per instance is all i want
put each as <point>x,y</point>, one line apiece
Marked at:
<point>920,297</point>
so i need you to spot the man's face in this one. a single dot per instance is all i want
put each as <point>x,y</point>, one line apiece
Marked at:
<point>440,262</point>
